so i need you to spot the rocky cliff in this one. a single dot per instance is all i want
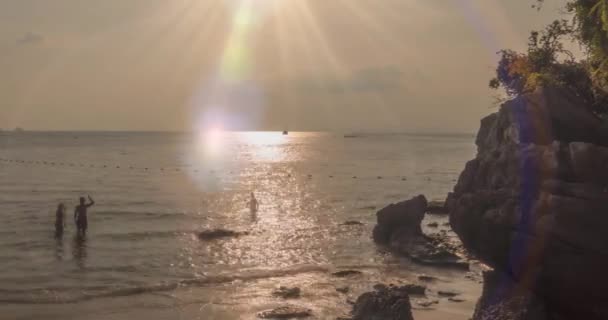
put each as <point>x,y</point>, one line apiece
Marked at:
<point>533,204</point>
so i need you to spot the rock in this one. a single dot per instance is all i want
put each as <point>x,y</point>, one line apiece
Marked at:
<point>287,293</point>
<point>219,233</point>
<point>346,273</point>
<point>447,293</point>
<point>426,278</point>
<point>401,218</point>
<point>532,204</point>
<point>352,223</point>
<point>286,312</point>
<point>433,225</point>
<point>399,228</point>
<point>386,304</point>
<point>344,289</point>
<point>436,207</point>
<point>502,300</point>
<point>427,303</point>
<point>415,289</point>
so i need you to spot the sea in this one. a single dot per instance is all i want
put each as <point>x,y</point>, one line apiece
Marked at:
<point>154,193</point>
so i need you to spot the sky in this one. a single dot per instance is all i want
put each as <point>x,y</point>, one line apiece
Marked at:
<point>318,65</point>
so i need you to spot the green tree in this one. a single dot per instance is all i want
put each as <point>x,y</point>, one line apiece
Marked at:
<point>546,60</point>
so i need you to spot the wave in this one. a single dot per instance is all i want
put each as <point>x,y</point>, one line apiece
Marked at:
<point>71,295</point>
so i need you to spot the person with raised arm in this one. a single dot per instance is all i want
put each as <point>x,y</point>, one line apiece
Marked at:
<point>80,216</point>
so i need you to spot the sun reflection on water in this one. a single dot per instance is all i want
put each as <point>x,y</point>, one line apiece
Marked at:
<point>264,145</point>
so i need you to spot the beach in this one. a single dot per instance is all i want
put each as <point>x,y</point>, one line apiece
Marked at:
<point>143,256</point>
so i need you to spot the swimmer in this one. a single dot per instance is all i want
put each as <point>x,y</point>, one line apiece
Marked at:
<point>80,216</point>
<point>254,205</point>
<point>59,220</point>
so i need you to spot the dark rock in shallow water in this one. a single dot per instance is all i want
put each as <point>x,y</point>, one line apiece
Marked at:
<point>287,293</point>
<point>436,207</point>
<point>503,300</point>
<point>426,278</point>
<point>352,223</point>
<point>427,303</point>
<point>384,304</point>
<point>344,289</point>
<point>401,218</point>
<point>532,204</point>
<point>218,234</point>
<point>446,293</point>
<point>415,289</point>
<point>286,312</point>
<point>346,273</point>
<point>399,228</point>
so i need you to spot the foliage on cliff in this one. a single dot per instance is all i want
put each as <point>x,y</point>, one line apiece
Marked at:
<point>547,62</point>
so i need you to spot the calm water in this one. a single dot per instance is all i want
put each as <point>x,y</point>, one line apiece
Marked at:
<point>154,191</point>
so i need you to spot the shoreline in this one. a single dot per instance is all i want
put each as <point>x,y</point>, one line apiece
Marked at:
<point>247,296</point>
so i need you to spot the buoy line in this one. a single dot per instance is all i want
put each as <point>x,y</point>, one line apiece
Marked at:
<point>163,170</point>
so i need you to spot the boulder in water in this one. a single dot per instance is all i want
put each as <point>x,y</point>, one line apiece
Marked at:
<point>436,207</point>
<point>218,234</point>
<point>346,273</point>
<point>352,223</point>
<point>399,227</point>
<point>401,219</point>
<point>287,293</point>
<point>286,312</point>
<point>385,303</point>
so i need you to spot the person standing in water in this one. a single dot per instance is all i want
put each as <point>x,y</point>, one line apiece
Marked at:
<point>59,220</point>
<point>254,205</point>
<point>80,216</point>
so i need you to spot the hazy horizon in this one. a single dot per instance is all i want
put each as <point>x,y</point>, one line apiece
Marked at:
<point>156,65</point>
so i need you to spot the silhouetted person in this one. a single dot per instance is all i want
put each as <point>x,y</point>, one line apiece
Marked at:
<point>59,220</point>
<point>80,216</point>
<point>254,205</point>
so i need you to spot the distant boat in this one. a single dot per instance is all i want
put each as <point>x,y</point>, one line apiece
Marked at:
<point>351,136</point>
<point>18,129</point>
<point>285,132</point>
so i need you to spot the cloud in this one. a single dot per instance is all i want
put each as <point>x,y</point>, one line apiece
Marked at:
<point>30,38</point>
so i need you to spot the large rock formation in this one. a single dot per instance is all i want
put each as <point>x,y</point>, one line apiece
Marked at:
<point>533,203</point>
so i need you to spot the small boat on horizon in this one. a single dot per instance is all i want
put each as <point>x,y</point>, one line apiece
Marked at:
<point>285,132</point>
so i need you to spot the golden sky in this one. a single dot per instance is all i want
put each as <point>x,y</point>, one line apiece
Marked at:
<point>346,65</point>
